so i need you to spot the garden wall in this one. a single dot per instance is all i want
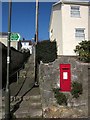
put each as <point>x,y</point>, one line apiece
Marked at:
<point>49,78</point>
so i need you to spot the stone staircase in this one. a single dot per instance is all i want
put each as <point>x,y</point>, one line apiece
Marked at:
<point>31,106</point>
<point>2,108</point>
<point>27,103</point>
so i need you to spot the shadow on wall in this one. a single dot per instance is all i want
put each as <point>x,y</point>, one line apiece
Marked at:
<point>17,61</point>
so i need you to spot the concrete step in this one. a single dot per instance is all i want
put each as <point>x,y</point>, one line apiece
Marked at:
<point>32,101</point>
<point>26,109</point>
<point>31,113</point>
<point>2,115</point>
<point>30,74</point>
<point>30,107</point>
<point>35,92</point>
<point>2,110</point>
<point>22,73</point>
<point>2,107</point>
<point>32,98</point>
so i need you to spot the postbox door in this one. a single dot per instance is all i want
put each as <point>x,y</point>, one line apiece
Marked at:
<point>65,77</point>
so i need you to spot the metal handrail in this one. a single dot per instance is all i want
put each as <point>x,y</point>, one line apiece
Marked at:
<point>16,71</point>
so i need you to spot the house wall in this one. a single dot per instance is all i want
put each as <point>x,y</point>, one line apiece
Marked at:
<point>27,46</point>
<point>4,41</point>
<point>63,26</point>
<point>89,23</point>
<point>13,43</point>
<point>68,27</point>
<point>56,26</point>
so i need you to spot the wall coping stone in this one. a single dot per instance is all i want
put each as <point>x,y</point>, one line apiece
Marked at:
<point>72,57</point>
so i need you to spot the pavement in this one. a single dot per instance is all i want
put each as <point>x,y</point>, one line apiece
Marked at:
<point>25,97</point>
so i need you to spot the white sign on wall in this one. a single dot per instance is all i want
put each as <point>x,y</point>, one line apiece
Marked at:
<point>65,75</point>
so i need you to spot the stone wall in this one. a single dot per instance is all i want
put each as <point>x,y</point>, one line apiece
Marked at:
<point>50,78</point>
<point>89,91</point>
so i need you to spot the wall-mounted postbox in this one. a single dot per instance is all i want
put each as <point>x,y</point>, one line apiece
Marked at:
<point>65,78</point>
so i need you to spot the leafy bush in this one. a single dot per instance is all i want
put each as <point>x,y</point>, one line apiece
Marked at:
<point>76,89</point>
<point>60,97</point>
<point>83,49</point>
<point>46,51</point>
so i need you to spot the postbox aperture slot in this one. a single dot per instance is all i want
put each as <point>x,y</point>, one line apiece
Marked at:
<point>65,68</point>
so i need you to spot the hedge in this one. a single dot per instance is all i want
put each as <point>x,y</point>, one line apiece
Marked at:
<point>83,51</point>
<point>46,51</point>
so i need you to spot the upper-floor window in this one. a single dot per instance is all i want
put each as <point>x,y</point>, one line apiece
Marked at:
<point>75,11</point>
<point>79,33</point>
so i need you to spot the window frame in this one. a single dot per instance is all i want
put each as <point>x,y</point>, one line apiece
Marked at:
<point>79,34</point>
<point>75,11</point>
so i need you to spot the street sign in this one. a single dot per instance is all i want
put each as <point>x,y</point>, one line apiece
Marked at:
<point>14,37</point>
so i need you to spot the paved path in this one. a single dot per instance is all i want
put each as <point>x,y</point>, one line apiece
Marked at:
<point>27,100</point>
<point>26,79</point>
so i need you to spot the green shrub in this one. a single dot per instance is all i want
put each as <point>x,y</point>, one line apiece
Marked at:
<point>46,51</point>
<point>83,50</point>
<point>60,97</point>
<point>76,89</point>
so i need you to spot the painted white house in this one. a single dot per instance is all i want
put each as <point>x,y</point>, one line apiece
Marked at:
<point>27,44</point>
<point>69,25</point>
<point>4,38</point>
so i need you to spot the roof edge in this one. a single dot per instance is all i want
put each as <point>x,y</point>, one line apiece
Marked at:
<point>72,2</point>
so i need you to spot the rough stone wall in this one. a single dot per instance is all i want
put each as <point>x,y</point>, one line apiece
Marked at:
<point>50,78</point>
<point>89,91</point>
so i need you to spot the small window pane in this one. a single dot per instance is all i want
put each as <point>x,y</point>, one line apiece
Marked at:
<point>74,8</point>
<point>79,33</point>
<point>75,11</point>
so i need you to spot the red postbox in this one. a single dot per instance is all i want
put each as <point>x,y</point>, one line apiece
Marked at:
<point>65,78</point>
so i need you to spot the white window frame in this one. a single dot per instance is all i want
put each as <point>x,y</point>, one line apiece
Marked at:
<point>75,11</point>
<point>80,33</point>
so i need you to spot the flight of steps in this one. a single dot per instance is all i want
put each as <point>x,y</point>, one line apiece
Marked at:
<point>31,106</point>
<point>13,102</point>
<point>2,108</point>
<point>28,106</point>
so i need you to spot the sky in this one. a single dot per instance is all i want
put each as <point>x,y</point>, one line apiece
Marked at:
<point>23,19</point>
